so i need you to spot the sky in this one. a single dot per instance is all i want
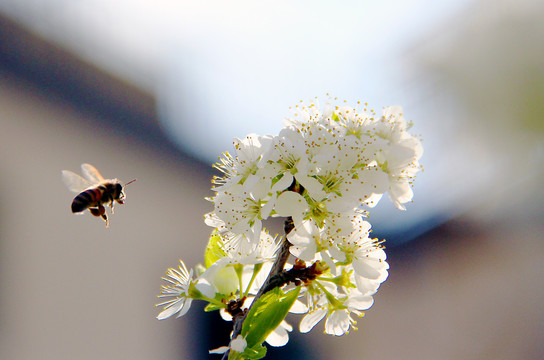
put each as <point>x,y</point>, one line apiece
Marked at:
<point>225,69</point>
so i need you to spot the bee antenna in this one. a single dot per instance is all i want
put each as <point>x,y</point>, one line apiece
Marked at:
<point>130,182</point>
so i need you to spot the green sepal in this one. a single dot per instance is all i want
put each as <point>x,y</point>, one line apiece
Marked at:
<point>267,314</point>
<point>214,250</point>
<point>221,300</point>
<point>212,307</point>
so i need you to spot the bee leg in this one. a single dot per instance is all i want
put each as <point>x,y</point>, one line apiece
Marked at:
<point>111,206</point>
<point>100,211</point>
<point>95,211</point>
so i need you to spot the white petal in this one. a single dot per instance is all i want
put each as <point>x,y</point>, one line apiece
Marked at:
<point>280,336</point>
<point>306,253</point>
<point>283,183</point>
<point>337,323</point>
<point>373,200</point>
<point>166,313</point>
<point>366,286</point>
<point>267,208</point>
<point>400,193</point>
<point>239,344</point>
<point>360,302</point>
<point>185,308</point>
<point>219,350</point>
<point>329,261</point>
<point>225,315</point>
<point>366,269</point>
<point>311,319</point>
<point>205,288</point>
<point>290,203</point>
<point>312,186</point>
<point>298,308</point>
<point>337,254</point>
<point>212,220</point>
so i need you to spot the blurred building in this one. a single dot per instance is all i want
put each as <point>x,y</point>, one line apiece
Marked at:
<point>472,288</point>
<point>72,289</point>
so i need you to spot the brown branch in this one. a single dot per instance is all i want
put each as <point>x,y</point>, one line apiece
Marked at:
<point>277,268</point>
<point>298,274</point>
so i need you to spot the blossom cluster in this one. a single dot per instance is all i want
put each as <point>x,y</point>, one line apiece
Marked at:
<point>325,170</point>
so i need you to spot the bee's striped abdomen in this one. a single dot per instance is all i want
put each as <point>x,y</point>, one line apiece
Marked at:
<point>86,199</point>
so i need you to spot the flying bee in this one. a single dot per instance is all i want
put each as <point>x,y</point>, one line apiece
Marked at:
<point>94,191</point>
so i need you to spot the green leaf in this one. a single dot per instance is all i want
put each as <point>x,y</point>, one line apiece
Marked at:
<point>214,250</point>
<point>266,315</point>
<point>254,353</point>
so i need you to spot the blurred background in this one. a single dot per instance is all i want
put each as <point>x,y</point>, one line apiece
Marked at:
<point>156,90</point>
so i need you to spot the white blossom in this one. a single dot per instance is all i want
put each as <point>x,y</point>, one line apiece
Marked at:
<point>177,292</point>
<point>325,170</point>
<point>337,307</point>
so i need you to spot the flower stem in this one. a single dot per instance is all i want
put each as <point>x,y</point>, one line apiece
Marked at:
<point>256,270</point>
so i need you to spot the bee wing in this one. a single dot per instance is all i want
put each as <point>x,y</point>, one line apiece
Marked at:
<point>74,182</point>
<point>91,173</point>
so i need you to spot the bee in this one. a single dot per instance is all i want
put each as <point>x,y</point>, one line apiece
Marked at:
<point>94,191</point>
